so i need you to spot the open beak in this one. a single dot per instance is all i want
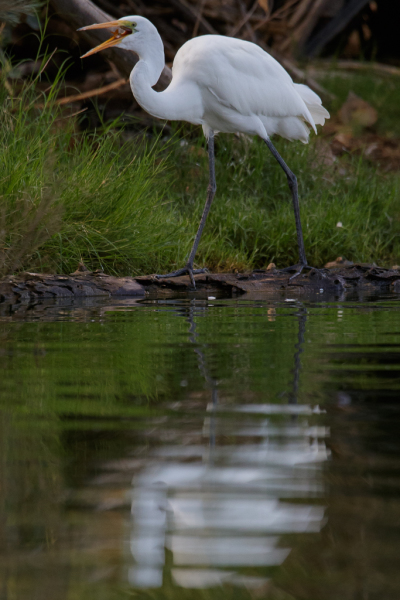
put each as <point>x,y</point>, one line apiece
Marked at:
<point>116,37</point>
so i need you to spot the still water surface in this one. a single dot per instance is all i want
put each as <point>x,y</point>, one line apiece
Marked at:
<point>201,449</point>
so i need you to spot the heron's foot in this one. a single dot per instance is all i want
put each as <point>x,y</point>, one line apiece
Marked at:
<point>298,269</point>
<point>185,270</point>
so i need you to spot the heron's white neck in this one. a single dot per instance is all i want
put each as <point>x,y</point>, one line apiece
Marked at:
<point>182,98</point>
<point>146,73</point>
<point>151,54</point>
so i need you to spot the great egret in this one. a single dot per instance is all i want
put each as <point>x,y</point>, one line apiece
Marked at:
<point>223,84</point>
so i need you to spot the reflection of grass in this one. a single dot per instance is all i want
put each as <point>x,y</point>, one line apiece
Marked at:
<point>126,369</point>
<point>226,592</point>
<point>68,196</point>
<point>129,367</point>
<point>223,592</point>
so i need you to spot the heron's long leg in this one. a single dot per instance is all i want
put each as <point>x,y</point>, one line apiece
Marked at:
<point>292,181</point>
<point>212,187</point>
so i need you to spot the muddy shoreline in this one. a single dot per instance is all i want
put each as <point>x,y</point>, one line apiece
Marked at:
<point>32,287</point>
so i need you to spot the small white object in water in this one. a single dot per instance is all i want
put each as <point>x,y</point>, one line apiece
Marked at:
<point>290,300</point>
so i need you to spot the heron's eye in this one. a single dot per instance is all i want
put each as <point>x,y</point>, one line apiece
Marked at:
<point>124,30</point>
<point>127,27</point>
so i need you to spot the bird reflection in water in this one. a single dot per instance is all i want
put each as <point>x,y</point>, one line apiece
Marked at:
<point>229,507</point>
<point>302,319</point>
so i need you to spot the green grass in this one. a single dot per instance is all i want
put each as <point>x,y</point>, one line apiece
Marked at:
<point>252,218</point>
<point>98,201</point>
<point>381,91</point>
<point>132,208</point>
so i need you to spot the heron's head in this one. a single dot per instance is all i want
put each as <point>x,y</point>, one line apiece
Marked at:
<point>122,34</point>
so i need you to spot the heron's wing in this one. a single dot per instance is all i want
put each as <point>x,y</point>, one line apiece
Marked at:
<point>241,76</point>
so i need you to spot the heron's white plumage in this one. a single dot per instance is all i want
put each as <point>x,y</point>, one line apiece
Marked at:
<point>239,83</point>
<point>223,84</point>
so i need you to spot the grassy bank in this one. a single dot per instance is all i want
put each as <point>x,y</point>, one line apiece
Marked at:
<point>68,196</point>
<point>131,208</point>
<point>252,218</point>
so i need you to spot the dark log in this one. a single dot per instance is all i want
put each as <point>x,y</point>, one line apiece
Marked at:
<point>29,287</point>
<point>339,281</point>
<point>79,13</point>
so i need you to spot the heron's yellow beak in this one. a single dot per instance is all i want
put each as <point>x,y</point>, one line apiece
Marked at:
<point>117,35</point>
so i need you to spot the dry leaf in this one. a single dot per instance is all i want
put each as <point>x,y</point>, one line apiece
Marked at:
<point>324,156</point>
<point>357,112</point>
<point>344,139</point>
<point>264,5</point>
<point>339,262</point>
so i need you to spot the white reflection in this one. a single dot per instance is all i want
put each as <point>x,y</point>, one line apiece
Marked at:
<point>225,509</point>
<point>276,409</point>
<point>203,578</point>
<point>226,552</point>
<point>289,453</point>
<point>142,576</point>
<point>244,514</point>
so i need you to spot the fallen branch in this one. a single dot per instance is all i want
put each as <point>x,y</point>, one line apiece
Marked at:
<point>91,93</point>
<point>85,95</point>
<point>354,65</point>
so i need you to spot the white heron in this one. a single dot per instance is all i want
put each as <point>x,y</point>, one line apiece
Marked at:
<point>224,85</point>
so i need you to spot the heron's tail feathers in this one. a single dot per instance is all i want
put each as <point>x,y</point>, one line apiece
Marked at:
<point>313,103</point>
<point>295,127</point>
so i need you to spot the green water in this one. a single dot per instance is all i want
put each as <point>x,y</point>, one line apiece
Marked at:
<point>203,448</point>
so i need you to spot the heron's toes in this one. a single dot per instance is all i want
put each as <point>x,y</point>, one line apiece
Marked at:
<point>295,269</point>
<point>298,269</point>
<point>197,271</point>
<point>187,270</point>
<point>320,272</point>
<point>177,273</point>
